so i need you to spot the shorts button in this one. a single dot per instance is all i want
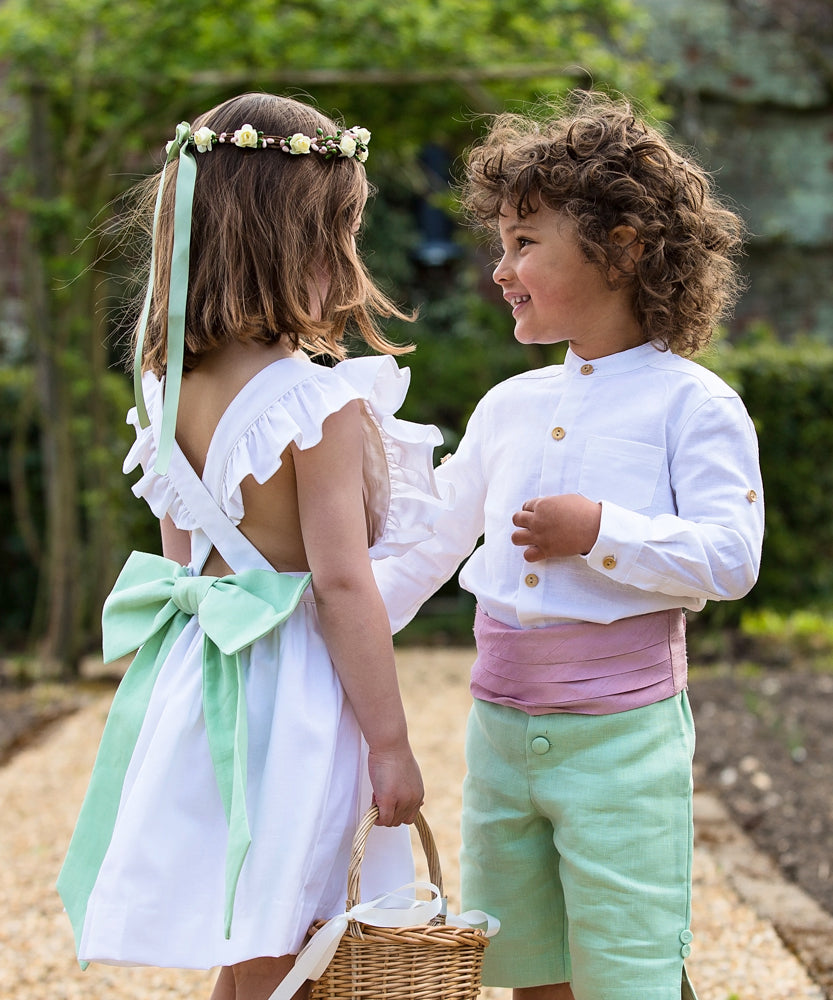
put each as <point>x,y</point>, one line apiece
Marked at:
<point>686,937</point>
<point>540,745</point>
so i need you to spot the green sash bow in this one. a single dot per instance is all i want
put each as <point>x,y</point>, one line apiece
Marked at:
<point>151,603</point>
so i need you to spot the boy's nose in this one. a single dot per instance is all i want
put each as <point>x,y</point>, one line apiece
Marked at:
<point>501,271</point>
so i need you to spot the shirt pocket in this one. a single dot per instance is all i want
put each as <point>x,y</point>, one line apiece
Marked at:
<point>624,472</point>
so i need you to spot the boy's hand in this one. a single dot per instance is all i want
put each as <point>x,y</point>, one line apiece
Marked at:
<point>566,525</point>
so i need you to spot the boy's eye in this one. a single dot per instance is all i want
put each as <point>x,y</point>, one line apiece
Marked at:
<point>523,242</point>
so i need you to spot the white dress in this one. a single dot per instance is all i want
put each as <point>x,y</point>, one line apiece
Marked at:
<point>161,889</point>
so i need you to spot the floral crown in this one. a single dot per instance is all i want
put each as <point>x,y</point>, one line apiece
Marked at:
<point>345,143</point>
<point>350,143</point>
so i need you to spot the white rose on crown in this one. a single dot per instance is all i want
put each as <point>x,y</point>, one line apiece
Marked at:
<point>246,136</point>
<point>204,139</point>
<point>347,145</point>
<point>299,143</point>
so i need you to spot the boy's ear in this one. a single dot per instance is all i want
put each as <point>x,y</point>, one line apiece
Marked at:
<point>625,238</point>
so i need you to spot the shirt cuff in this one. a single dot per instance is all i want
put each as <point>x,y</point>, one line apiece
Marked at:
<point>621,535</point>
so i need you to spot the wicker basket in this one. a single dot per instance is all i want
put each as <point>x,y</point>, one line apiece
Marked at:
<point>425,962</point>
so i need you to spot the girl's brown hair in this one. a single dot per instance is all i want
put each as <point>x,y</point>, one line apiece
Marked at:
<point>265,226</point>
<point>593,160</point>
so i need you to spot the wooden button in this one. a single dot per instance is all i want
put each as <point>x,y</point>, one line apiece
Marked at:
<point>558,433</point>
<point>609,562</point>
<point>586,369</point>
<point>531,580</point>
<point>752,496</point>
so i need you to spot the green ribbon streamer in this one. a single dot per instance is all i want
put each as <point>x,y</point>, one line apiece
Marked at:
<point>177,294</point>
<point>151,603</point>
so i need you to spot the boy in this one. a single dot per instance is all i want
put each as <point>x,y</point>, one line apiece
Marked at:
<point>643,467</point>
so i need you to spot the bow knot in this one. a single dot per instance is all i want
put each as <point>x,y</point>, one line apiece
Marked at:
<point>152,592</point>
<point>175,146</point>
<point>188,592</point>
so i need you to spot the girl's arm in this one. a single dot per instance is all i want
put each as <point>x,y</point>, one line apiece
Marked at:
<point>176,543</point>
<point>352,616</point>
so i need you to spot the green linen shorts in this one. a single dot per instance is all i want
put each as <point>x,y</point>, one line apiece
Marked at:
<point>577,834</point>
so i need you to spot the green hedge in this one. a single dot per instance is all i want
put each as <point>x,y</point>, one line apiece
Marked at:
<point>788,390</point>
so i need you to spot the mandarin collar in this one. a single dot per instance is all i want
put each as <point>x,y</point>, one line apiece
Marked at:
<point>612,364</point>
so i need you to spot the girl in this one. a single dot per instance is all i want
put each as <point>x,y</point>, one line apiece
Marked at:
<point>234,765</point>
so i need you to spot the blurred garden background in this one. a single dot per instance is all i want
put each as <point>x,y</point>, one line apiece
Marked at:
<point>92,89</point>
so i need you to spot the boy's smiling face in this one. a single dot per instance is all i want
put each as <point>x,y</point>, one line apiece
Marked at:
<point>556,294</point>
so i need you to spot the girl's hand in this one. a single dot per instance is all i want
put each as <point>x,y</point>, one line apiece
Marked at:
<point>397,785</point>
<point>566,525</point>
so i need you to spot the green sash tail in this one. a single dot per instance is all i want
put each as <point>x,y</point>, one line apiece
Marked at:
<point>151,603</point>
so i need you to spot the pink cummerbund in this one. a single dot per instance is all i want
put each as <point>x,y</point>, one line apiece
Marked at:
<point>581,667</point>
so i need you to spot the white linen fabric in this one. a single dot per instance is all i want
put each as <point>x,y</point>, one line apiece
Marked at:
<point>158,898</point>
<point>666,447</point>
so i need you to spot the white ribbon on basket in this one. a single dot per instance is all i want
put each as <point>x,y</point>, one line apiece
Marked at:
<point>383,911</point>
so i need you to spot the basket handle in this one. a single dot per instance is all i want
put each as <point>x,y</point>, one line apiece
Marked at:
<point>360,842</point>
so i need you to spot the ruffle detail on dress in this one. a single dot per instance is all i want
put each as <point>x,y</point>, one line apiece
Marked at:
<point>298,415</point>
<point>416,499</point>
<point>156,490</point>
<point>403,512</point>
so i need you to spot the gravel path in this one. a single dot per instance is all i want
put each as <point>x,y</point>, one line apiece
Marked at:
<point>737,954</point>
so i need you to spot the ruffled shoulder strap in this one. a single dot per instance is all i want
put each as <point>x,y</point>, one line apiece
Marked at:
<point>234,428</point>
<point>289,401</point>
<point>277,407</point>
<point>153,487</point>
<point>285,403</point>
<point>186,497</point>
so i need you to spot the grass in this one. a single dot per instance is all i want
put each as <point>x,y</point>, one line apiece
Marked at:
<point>802,638</point>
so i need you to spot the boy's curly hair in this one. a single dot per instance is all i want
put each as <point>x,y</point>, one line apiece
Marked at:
<point>595,161</point>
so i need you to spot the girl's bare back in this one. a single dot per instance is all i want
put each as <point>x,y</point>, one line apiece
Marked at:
<point>271,521</point>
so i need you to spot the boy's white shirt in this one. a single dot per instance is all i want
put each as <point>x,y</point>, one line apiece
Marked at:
<point>665,445</point>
